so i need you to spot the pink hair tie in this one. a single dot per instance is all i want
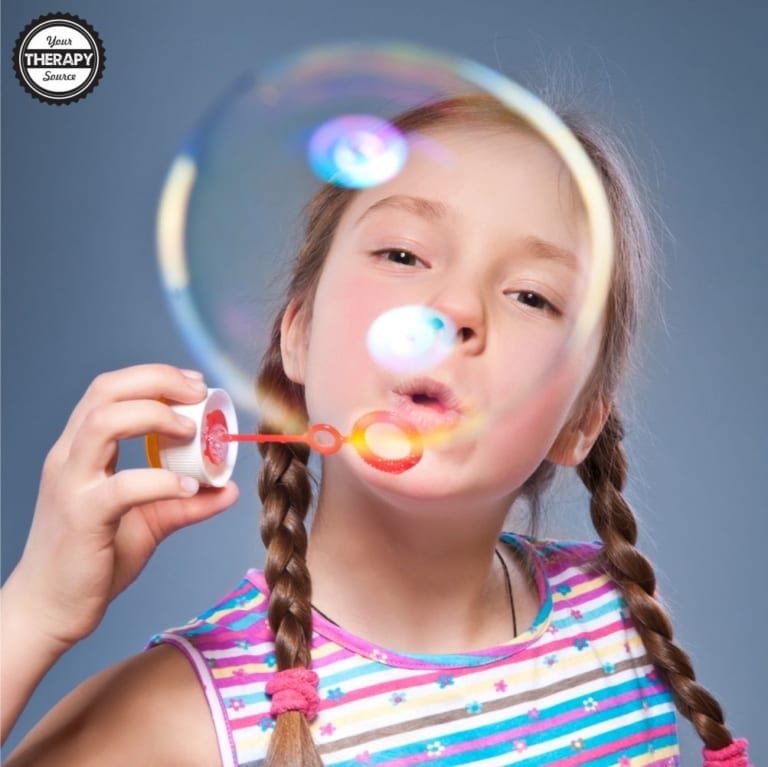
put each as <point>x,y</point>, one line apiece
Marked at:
<point>734,755</point>
<point>294,689</point>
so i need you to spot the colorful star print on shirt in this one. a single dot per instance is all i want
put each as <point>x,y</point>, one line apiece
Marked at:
<point>576,688</point>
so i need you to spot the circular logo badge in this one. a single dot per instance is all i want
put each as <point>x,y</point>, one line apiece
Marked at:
<point>59,58</point>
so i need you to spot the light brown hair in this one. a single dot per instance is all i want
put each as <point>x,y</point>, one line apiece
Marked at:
<point>284,483</point>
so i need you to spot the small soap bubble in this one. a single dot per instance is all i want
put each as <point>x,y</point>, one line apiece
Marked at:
<point>357,151</point>
<point>411,339</point>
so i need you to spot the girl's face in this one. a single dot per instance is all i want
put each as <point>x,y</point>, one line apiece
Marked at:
<point>468,228</point>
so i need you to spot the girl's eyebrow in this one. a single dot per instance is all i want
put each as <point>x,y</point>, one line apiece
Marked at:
<point>419,206</point>
<point>547,250</point>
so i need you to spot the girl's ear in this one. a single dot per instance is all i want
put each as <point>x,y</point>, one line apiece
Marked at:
<point>294,340</point>
<point>575,441</point>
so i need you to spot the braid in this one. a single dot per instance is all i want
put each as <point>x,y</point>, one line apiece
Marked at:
<point>285,493</point>
<point>604,473</point>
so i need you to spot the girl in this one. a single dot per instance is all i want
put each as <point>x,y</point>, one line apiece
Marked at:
<point>408,628</point>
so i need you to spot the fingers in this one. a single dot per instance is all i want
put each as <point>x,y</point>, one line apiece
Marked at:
<point>150,487</point>
<point>93,448</point>
<point>94,529</point>
<point>167,518</point>
<point>148,382</point>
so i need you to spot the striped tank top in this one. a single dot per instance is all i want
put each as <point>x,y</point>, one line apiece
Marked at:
<point>576,688</point>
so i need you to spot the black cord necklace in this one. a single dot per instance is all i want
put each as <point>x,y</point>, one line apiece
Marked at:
<point>323,615</point>
<point>507,580</point>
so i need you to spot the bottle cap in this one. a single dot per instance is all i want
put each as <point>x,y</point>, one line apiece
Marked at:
<point>207,456</point>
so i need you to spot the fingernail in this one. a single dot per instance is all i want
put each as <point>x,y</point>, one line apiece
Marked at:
<point>198,386</point>
<point>193,374</point>
<point>189,485</point>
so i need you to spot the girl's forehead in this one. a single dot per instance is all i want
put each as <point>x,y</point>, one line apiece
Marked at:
<point>502,147</point>
<point>491,174</point>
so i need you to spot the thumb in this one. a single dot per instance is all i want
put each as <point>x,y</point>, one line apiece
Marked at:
<point>145,527</point>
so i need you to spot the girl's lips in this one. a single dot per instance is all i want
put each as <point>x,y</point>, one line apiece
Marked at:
<point>426,417</point>
<point>428,404</point>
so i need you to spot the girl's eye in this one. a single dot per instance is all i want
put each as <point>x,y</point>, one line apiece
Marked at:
<point>397,256</point>
<point>534,300</point>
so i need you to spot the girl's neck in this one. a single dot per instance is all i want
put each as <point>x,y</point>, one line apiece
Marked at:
<point>421,579</point>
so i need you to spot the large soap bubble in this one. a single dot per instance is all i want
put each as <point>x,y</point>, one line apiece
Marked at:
<point>231,214</point>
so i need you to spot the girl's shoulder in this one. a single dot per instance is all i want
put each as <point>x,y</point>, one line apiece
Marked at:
<point>241,611</point>
<point>556,556</point>
<point>148,709</point>
<point>572,583</point>
<point>238,619</point>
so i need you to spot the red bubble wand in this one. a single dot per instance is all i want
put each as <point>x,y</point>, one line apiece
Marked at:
<point>210,455</point>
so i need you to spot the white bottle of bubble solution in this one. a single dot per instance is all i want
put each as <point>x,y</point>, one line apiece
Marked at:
<point>209,456</point>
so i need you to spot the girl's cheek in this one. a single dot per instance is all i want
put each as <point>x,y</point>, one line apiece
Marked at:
<point>357,303</point>
<point>339,331</point>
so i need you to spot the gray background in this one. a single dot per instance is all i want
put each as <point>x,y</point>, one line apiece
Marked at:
<point>685,84</point>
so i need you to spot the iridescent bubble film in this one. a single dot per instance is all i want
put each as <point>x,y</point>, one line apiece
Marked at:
<point>357,151</point>
<point>234,208</point>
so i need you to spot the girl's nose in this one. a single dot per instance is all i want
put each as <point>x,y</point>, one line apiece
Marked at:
<point>466,310</point>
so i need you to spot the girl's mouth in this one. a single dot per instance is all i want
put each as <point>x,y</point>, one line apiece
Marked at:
<point>428,404</point>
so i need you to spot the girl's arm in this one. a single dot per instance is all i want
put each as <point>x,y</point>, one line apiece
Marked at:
<point>94,528</point>
<point>25,654</point>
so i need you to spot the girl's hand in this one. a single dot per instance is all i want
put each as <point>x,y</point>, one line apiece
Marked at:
<point>95,528</point>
